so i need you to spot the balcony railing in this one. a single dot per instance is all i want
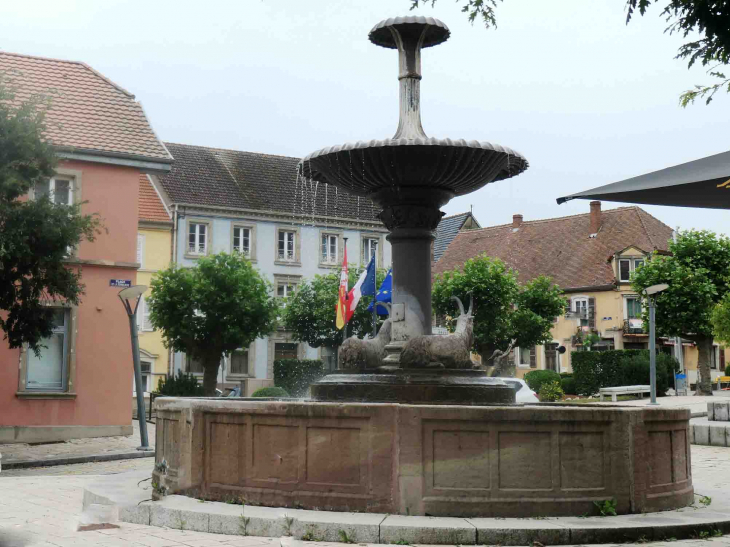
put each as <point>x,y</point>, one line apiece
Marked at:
<point>634,326</point>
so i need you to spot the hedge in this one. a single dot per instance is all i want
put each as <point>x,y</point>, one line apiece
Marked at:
<point>568,385</point>
<point>593,370</point>
<point>270,392</point>
<point>295,375</point>
<point>536,378</point>
<point>180,385</point>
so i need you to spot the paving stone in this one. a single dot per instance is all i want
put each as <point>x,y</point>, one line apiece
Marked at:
<point>721,412</point>
<point>718,433</point>
<point>519,531</point>
<point>701,433</point>
<point>429,530</point>
<point>262,521</point>
<point>165,516</point>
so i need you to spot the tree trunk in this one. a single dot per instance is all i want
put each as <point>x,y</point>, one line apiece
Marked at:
<point>210,377</point>
<point>704,379</point>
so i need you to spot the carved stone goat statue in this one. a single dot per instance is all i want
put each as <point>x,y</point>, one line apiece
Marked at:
<point>447,351</point>
<point>358,355</point>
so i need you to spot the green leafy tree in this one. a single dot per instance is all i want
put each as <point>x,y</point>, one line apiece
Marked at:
<point>220,305</point>
<point>310,312</point>
<point>720,319</point>
<point>36,234</point>
<point>503,310</point>
<point>708,18</point>
<point>698,277</point>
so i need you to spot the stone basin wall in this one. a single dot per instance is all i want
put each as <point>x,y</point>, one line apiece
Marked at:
<point>506,461</point>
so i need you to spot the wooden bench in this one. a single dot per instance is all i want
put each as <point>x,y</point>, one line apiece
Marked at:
<point>720,380</point>
<point>623,390</point>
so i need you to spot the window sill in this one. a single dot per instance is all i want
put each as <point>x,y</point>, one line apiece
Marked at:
<point>45,395</point>
<point>195,256</point>
<point>236,377</point>
<point>328,265</point>
<point>287,263</point>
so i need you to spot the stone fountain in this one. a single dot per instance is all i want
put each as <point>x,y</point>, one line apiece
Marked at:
<point>410,177</point>
<point>408,428</point>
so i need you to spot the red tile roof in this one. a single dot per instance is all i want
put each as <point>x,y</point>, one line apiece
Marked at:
<point>151,208</point>
<point>561,247</point>
<point>88,112</point>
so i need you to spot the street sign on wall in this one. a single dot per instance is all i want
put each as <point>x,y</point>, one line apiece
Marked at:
<point>124,283</point>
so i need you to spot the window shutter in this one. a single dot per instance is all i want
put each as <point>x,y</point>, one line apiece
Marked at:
<point>592,312</point>
<point>533,357</point>
<point>140,314</point>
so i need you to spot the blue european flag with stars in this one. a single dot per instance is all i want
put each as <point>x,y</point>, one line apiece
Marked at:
<point>384,294</point>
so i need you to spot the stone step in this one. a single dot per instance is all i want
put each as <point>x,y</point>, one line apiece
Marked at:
<point>709,433</point>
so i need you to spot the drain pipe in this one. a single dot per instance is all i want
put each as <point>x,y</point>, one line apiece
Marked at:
<point>173,260</point>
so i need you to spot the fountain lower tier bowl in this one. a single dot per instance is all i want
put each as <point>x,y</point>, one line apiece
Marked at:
<point>381,170</point>
<point>415,386</point>
<point>443,460</point>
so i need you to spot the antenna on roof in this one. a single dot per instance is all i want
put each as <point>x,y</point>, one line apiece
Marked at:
<point>471,209</point>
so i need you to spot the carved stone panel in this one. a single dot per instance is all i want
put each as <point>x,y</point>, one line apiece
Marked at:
<point>582,465</point>
<point>275,453</point>
<point>461,460</point>
<point>226,453</point>
<point>525,460</point>
<point>333,456</point>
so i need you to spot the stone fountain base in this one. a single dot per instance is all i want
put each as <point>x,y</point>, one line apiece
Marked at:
<point>415,386</point>
<point>468,461</point>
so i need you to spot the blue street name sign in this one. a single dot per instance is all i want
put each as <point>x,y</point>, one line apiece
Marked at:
<point>124,283</point>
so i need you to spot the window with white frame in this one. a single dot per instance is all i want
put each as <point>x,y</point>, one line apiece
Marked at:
<point>146,369</point>
<point>287,246</point>
<point>143,316</point>
<point>285,288</point>
<point>140,250</point>
<point>60,190</point>
<point>197,238</point>
<point>627,266</point>
<point>48,370</point>
<point>238,362</point>
<point>330,248</point>
<point>580,308</point>
<point>369,250</point>
<point>525,357</point>
<point>242,240</point>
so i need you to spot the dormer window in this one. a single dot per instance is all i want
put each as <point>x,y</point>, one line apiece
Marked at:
<point>627,266</point>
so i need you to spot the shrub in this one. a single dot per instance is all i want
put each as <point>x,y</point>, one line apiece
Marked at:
<point>536,378</point>
<point>295,375</point>
<point>568,385</point>
<point>727,370</point>
<point>594,370</point>
<point>180,385</point>
<point>270,392</point>
<point>550,392</point>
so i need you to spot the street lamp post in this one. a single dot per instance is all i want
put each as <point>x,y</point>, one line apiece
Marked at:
<point>130,298</point>
<point>650,293</point>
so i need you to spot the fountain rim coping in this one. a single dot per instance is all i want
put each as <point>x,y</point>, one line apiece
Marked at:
<point>429,141</point>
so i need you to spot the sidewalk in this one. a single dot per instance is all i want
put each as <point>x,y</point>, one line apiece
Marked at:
<point>696,403</point>
<point>19,455</point>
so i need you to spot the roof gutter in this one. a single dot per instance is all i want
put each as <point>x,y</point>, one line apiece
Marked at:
<point>590,288</point>
<point>145,164</point>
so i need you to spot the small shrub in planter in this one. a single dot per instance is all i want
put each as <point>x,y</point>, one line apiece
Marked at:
<point>270,392</point>
<point>536,378</point>
<point>180,385</point>
<point>550,392</point>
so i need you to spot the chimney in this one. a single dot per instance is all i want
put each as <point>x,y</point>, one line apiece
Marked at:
<point>516,221</point>
<point>595,216</point>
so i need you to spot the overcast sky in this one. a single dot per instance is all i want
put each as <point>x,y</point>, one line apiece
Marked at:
<point>587,99</point>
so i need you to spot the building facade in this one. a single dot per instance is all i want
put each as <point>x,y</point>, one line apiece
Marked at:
<point>79,384</point>
<point>591,257</point>
<point>291,230</point>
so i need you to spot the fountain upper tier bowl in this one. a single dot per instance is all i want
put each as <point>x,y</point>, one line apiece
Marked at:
<point>411,167</point>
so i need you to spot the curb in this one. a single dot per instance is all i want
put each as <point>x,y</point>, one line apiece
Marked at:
<point>25,464</point>
<point>130,503</point>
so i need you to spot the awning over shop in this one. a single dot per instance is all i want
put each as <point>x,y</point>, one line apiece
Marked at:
<point>700,183</point>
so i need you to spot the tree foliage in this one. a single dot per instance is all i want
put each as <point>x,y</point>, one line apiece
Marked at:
<point>698,279</point>
<point>220,305</point>
<point>720,319</point>
<point>310,312</point>
<point>36,235</point>
<point>503,310</point>
<point>708,18</point>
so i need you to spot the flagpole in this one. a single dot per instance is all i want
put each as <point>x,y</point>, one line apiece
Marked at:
<point>375,306</point>
<point>347,307</point>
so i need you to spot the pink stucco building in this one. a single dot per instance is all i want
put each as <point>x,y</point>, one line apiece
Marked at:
<point>80,385</point>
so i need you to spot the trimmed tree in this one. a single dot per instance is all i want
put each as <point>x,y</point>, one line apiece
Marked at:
<point>37,234</point>
<point>503,310</point>
<point>208,311</point>
<point>310,312</point>
<point>698,279</point>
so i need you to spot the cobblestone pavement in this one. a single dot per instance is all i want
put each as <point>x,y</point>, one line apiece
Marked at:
<point>93,468</point>
<point>45,511</point>
<point>76,447</point>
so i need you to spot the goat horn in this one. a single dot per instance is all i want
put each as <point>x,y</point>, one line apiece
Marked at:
<point>461,306</point>
<point>471,303</point>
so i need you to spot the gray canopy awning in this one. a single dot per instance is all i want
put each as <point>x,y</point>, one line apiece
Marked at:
<point>699,183</point>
